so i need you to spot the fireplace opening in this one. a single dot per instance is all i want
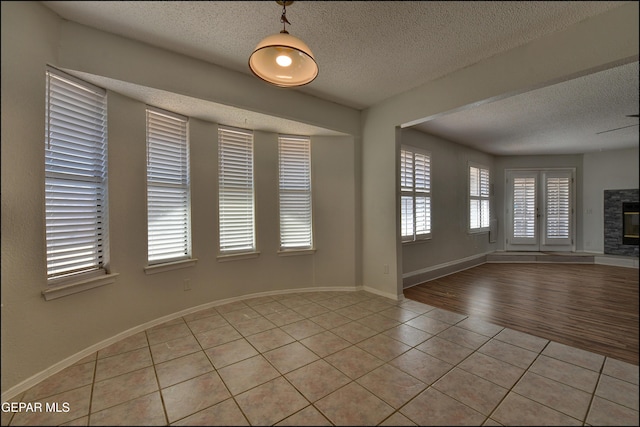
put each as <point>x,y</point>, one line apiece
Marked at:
<point>630,224</point>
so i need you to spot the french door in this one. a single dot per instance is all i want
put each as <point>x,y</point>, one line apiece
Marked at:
<point>540,214</point>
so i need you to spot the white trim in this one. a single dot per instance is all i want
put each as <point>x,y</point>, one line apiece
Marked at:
<point>616,261</point>
<point>168,186</point>
<point>445,265</point>
<point>167,113</point>
<point>75,166</point>
<point>236,159</point>
<point>168,266</point>
<point>394,297</point>
<point>295,193</point>
<point>76,81</point>
<point>480,167</point>
<point>237,256</point>
<point>558,257</point>
<point>294,252</point>
<point>413,193</point>
<point>539,243</point>
<point>54,292</point>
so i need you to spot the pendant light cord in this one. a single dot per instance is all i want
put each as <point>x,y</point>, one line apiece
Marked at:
<point>283,18</point>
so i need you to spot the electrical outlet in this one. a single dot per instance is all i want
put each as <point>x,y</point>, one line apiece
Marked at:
<point>386,269</point>
<point>187,284</point>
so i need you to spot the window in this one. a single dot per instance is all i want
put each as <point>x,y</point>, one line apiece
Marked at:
<point>295,192</point>
<point>415,187</point>
<point>236,191</point>
<point>478,198</point>
<point>75,177</point>
<point>524,207</point>
<point>558,210</point>
<point>168,198</point>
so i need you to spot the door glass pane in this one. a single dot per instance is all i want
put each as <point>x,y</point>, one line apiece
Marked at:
<point>558,209</point>
<point>524,209</point>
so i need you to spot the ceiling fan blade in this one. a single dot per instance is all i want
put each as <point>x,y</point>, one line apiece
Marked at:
<point>632,115</point>
<point>611,130</point>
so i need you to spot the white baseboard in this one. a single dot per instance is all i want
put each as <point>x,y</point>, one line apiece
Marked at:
<point>434,272</point>
<point>616,261</point>
<point>63,364</point>
<point>383,294</point>
<point>430,273</point>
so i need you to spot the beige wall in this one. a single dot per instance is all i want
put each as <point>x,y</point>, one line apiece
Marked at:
<point>595,172</point>
<point>608,170</point>
<point>450,240</point>
<point>40,336</point>
<point>355,176</point>
<point>593,44</point>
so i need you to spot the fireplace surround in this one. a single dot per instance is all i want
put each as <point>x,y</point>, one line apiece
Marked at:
<point>630,226</point>
<point>621,222</point>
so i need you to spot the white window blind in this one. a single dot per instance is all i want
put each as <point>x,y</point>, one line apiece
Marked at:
<point>558,207</point>
<point>524,207</point>
<point>479,214</point>
<point>168,194</point>
<point>236,190</point>
<point>75,176</point>
<point>415,199</point>
<point>295,192</point>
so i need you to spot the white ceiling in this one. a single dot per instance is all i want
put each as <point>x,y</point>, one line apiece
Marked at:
<point>586,114</point>
<point>369,51</point>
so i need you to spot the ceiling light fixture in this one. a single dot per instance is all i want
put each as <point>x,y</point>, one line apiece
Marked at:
<point>282,59</point>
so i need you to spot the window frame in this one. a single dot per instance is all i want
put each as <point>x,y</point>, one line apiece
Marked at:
<point>294,160</point>
<point>482,196</point>
<point>413,194</point>
<point>75,168</point>
<point>244,136</point>
<point>169,144</point>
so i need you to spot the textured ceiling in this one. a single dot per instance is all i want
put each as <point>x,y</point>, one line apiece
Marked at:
<point>367,51</point>
<point>586,114</point>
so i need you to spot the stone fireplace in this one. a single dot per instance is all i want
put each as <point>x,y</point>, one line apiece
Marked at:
<point>621,222</point>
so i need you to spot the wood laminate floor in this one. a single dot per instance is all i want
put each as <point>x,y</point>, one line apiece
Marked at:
<point>591,307</point>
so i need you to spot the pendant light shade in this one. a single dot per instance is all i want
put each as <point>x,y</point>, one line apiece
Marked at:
<point>283,60</point>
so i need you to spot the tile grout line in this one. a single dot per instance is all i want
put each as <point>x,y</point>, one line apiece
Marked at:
<point>385,362</point>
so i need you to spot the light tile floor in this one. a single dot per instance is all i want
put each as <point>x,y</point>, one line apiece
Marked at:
<point>335,358</point>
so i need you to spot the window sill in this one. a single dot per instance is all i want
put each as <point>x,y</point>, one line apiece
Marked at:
<point>295,252</point>
<point>415,242</point>
<point>238,256</point>
<point>478,231</point>
<point>59,291</point>
<point>168,266</point>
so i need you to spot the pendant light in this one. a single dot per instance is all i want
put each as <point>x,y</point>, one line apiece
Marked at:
<point>282,59</point>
